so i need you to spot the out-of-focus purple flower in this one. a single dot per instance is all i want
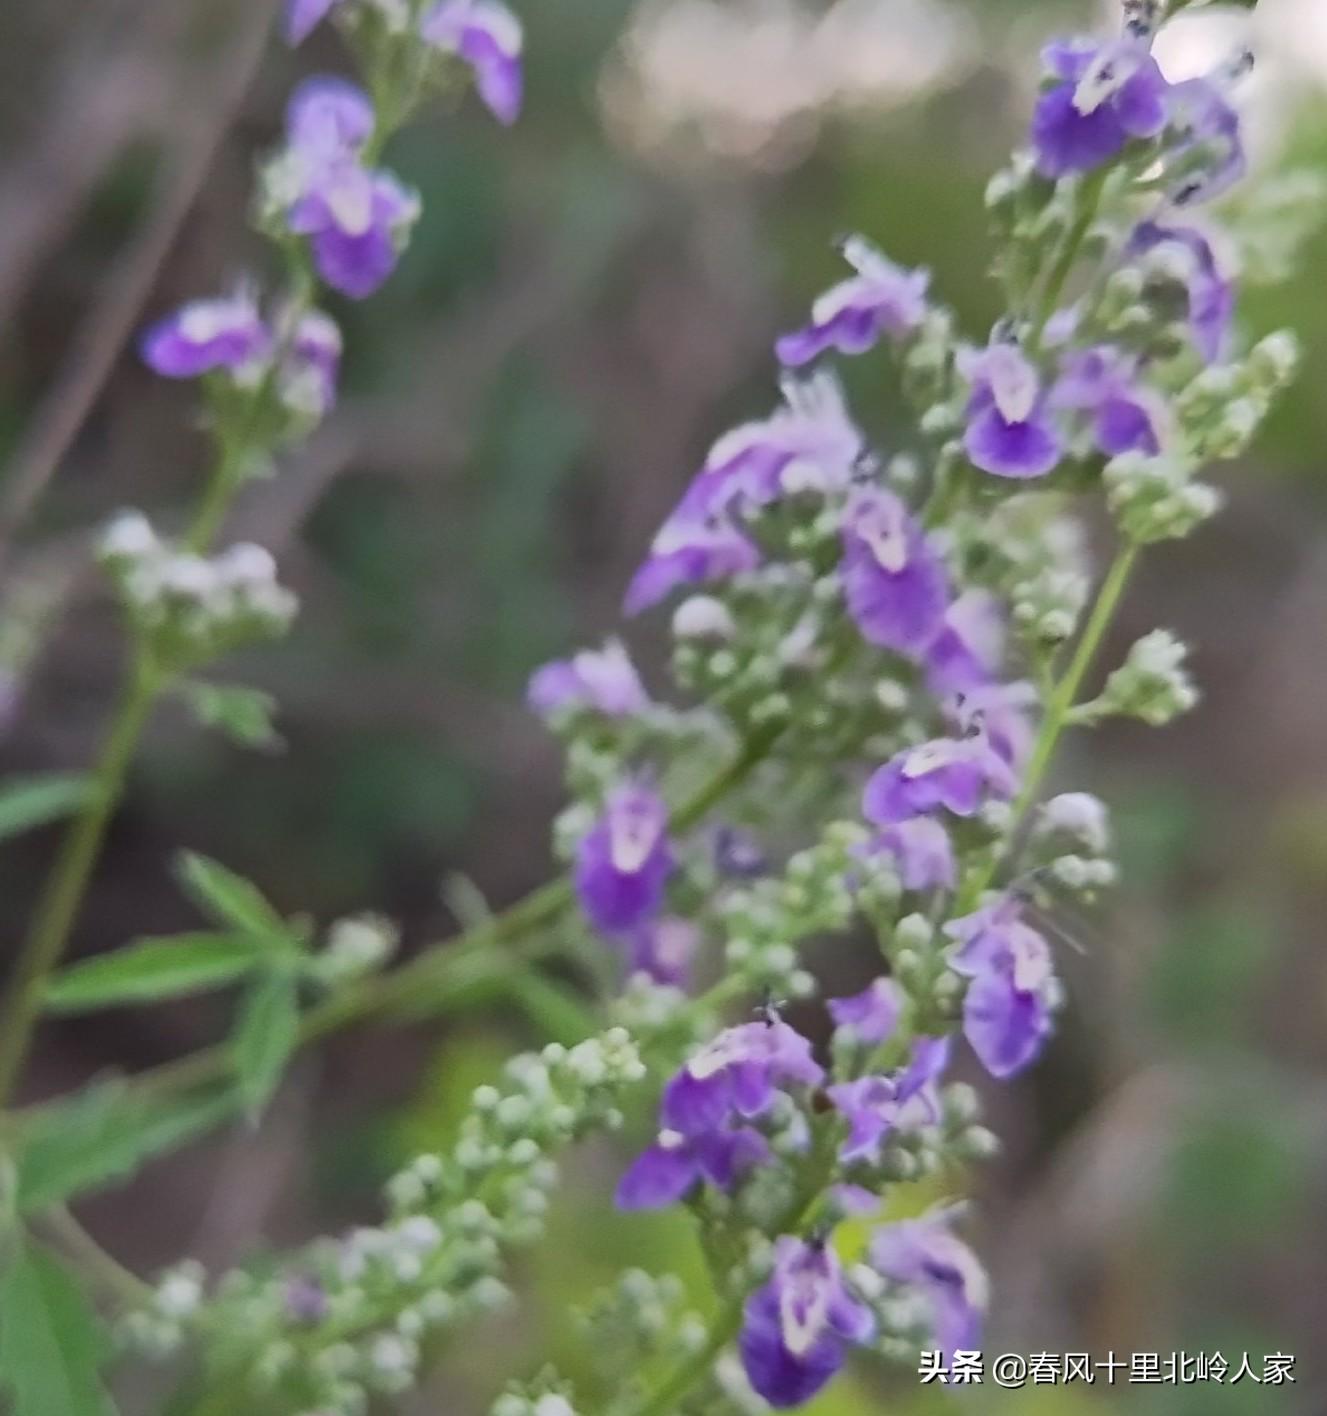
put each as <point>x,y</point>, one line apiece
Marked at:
<point>1009,1005</point>
<point>738,1074</point>
<point>1010,432</point>
<point>226,333</point>
<point>624,862</point>
<point>487,37</point>
<point>1211,294</point>
<point>1209,148</point>
<point>876,1106</point>
<point>689,551</point>
<point>738,855</point>
<point>312,365</point>
<point>893,579</point>
<point>356,222</point>
<point>663,949</point>
<point>1106,95</point>
<point>1103,383</point>
<point>664,1172</point>
<point>955,773</point>
<point>1002,711</point>
<point>967,651</point>
<point>926,1256</point>
<point>796,1328</point>
<point>882,298</point>
<point>604,680</point>
<point>305,1300</point>
<point>328,119</point>
<point>809,444</point>
<point>304,16</point>
<point>922,853</point>
<point>871,1016</point>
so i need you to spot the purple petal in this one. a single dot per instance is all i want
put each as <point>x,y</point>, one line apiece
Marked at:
<point>659,1177</point>
<point>304,16</point>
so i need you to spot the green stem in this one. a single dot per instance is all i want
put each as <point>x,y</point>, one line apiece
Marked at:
<point>1087,204</point>
<point>103,1268</point>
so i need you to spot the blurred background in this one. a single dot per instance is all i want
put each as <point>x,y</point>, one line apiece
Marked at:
<point>590,300</point>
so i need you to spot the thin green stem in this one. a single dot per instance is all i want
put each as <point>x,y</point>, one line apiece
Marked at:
<point>1087,204</point>
<point>101,1267</point>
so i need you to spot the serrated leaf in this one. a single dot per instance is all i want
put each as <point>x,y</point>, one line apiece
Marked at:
<point>103,1135</point>
<point>265,1037</point>
<point>244,715</point>
<point>28,802</point>
<point>228,897</point>
<point>149,969</point>
<point>51,1343</point>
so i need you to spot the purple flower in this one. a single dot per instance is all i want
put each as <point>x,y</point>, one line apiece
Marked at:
<point>662,949</point>
<point>1107,95</point>
<point>809,444</point>
<point>305,1300</point>
<point>1001,712</point>
<point>943,1271</point>
<point>487,37</point>
<point>356,222</point>
<point>1103,382</point>
<point>893,579</point>
<point>922,852</point>
<point>796,1328</point>
<point>304,16</point>
<point>624,862</point>
<point>955,773</point>
<point>881,298</point>
<point>664,1172</point>
<point>967,652</point>
<point>876,1106</point>
<point>1009,432</point>
<point>1007,1011</point>
<point>328,119</point>
<point>204,335</point>
<point>871,1016</point>
<point>739,1074</point>
<point>603,680</point>
<point>1211,295</point>
<point>1209,150</point>
<point>311,366</point>
<point>689,551</point>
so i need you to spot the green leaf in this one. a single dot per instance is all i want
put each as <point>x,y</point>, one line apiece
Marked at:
<point>51,1344</point>
<point>149,969</point>
<point>103,1135</point>
<point>33,801</point>
<point>229,898</point>
<point>244,715</point>
<point>265,1037</point>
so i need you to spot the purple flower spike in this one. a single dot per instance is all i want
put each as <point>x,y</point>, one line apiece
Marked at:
<point>955,773</point>
<point>488,37</point>
<point>1009,433</point>
<point>881,298</point>
<point>922,852</point>
<point>662,950</point>
<point>689,551</point>
<point>207,334</point>
<point>871,1016</point>
<point>1103,383</point>
<point>1007,1012</point>
<point>738,1073</point>
<point>304,16</point>
<point>1107,95</point>
<point>927,1257</point>
<point>893,579</point>
<point>796,1328</point>
<point>625,861</point>
<point>1211,294</point>
<point>674,1164</point>
<point>603,680</point>
<point>967,652</point>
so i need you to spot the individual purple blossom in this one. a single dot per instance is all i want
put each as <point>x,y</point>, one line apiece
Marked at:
<point>882,298</point>
<point>955,773</point>
<point>356,222</point>
<point>1211,296</point>
<point>738,1073</point>
<point>487,37</point>
<point>226,333</point>
<point>603,680</point>
<point>328,119</point>
<point>894,580</point>
<point>922,852</point>
<point>312,364</point>
<point>1002,712</point>
<point>1106,96</point>
<point>666,1171</point>
<point>689,551</point>
<point>1103,383</point>
<point>929,1259</point>
<point>304,16</point>
<point>1009,1004</point>
<point>1009,430</point>
<point>871,1016</point>
<point>797,1327</point>
<point>624,862</point>
<point>662,950</point>
<point>1209,146</point>
<point>876,1106</point>
<point>967,651</point>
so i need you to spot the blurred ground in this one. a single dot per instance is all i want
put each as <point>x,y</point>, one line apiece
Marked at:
<point>589,301</point>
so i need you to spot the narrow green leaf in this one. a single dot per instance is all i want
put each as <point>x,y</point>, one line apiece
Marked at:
<point>106,1134</point>
<point>51,1343</point>
<point>561,1015</point>
<point>149,969</point>
<point>265,1036</point>
<point>244,715</point>
<point>228,897</point>
<point>33,801</point>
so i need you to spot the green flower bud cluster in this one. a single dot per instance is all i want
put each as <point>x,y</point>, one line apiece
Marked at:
<point>1154,498</point>
<point>1151,684</point>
